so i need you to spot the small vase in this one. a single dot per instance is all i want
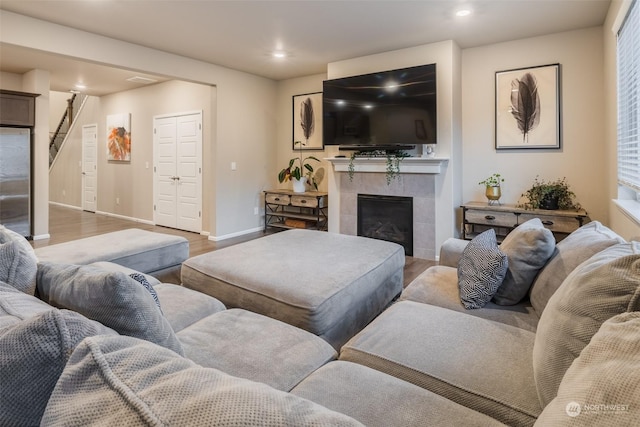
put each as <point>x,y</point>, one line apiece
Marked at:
<point>299,185</point>
<point>493,194</point>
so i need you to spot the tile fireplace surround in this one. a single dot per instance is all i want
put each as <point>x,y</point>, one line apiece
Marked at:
<point>421,187</point>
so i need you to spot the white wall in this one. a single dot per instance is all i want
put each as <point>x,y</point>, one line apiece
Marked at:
<point>57,106</point>
<point>582,157</point>
<point>242,120</point>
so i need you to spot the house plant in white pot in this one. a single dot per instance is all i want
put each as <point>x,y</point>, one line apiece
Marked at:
<point>299,174</point>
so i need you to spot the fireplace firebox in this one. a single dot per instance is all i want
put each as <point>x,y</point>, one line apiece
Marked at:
<point>387,218</point>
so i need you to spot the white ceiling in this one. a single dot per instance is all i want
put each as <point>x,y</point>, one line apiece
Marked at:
<point>242,34</point>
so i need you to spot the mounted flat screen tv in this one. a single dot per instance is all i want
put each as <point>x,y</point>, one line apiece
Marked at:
<point>389,110</point>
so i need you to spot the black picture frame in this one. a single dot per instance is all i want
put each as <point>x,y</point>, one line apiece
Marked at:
<point>528,108</point>
<point>307,122</point>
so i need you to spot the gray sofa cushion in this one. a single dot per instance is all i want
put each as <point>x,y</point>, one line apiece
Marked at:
<point>528,247</point>
<point>111,298</point>
<point>16,306</point>
<point>33,354</point>
<point>183,307</point>
<point>124,381</point>
<point>570,252</point>
<point>600,387</point>
<point>255,347</point>
<point>438,285</point>
<point>606,284</point>
<point>475,362</point>
<point>18,262</point>
<point>377,399</point>
<point>481,270</point>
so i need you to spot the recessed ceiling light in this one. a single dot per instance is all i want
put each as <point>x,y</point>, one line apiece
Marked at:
<point>463,12</point>
<point>80,86</point>
<point>279,54</point>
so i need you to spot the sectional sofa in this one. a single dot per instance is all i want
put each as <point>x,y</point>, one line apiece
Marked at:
<point>101,344</point>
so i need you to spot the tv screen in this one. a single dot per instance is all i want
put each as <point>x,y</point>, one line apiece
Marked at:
<point>387,110</point>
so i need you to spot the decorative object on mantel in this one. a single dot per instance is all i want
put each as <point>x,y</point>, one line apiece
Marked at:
<point>394,157</point>
<point>295,174</point>
<point>493,189</point>
<point>550,195</point>
<point>528,108</point>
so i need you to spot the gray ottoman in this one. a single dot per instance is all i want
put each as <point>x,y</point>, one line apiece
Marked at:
<point>329,284</point>
<point>141,250</point>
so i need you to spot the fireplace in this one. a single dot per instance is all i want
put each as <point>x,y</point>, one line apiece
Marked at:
<point>387,218</point>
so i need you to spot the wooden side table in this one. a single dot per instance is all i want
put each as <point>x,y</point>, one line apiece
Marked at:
<point>479,216</point>
<point>286,209</point>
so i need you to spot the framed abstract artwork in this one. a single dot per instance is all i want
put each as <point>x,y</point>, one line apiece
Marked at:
<point>528,108</point>
<point>307,122</point>
<point>119,137</point>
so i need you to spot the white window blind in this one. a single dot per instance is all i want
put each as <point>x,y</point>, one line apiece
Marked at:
<point>628,108</point>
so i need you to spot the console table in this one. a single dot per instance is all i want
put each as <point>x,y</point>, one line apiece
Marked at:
<point>479,216</point>
<point>286,209</point>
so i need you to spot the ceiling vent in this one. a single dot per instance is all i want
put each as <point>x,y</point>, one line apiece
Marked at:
<point>144,80</point>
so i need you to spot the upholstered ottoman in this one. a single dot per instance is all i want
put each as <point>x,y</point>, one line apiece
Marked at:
<point>329,284</point>
<point>141,250</point>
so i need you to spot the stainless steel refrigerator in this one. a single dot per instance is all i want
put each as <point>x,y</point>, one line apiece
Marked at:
<point>15,179</point>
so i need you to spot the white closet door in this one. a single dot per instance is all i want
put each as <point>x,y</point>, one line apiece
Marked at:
<point>89,167</point>
<point>178,171</point>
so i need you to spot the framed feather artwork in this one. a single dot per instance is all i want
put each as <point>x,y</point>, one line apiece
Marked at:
<point>119,137</point>
<point>528,108</point>
<point>307,122</point>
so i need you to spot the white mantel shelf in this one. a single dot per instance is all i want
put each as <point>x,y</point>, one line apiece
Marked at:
<point>430,165</point>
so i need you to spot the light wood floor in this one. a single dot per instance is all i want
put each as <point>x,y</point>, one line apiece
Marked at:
<point>67,224</point>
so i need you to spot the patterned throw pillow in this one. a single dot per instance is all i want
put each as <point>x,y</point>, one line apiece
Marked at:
<point>140,278</point>
<point>481,270</point>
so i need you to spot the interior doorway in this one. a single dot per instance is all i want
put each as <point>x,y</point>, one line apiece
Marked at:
<point>177,153</point>
<point>89,167</point>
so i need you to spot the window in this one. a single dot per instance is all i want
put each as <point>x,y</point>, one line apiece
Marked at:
<point>628,102</point>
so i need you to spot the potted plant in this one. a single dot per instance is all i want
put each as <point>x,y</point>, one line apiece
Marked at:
<point>493,190</point>
<point>394,157</point>
<point>550,195</point>
<point>296,174</point>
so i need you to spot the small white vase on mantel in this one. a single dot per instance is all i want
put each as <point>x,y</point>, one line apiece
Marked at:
<point>299,185</point>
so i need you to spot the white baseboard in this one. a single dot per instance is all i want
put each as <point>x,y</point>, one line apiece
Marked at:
<point>142,221</point>
<point>63,205</point>
<point>232,235</point>
<point>41,237</point>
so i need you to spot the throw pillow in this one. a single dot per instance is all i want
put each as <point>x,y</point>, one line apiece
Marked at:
<point>600,387</point>
<point>33,354</point>
<point>528,247</point>
<point>124,381</point>
<point>481,270</point>
<point>140,278</point>
<point>109,297</point>
<point>570,252</point>
<point>16,306</point>
<point>18,262</point>
<point>605,285</point>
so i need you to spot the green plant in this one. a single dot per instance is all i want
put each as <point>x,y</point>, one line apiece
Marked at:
<point>493,181</point>
<point>394,157</point>
<point>291,172</point>
<point>550,195</point>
